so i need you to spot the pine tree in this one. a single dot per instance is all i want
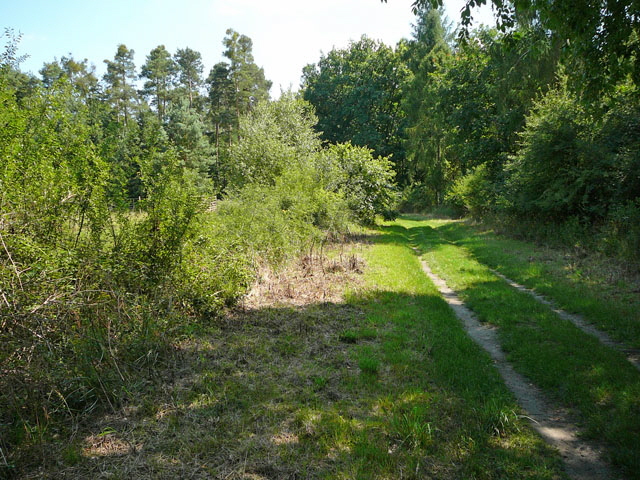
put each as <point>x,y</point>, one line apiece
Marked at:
<point>121,73</point>
<point>189,63</point>
<point>159,70</point>
<point>221,101</point>
<point>248,79</point>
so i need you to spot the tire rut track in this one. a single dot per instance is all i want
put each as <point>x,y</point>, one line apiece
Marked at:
<point>632,355</point>
<point>582,459</point>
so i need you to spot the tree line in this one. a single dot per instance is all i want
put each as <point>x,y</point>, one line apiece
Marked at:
<point>533,123</point>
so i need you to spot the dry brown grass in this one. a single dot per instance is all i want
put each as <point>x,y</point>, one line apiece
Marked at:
<point>224,406</point>
<point>316,277</point>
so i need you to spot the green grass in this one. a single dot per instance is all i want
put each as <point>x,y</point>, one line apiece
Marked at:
<point>594,288</point>
<point>385,385</point>
<point>572,367</point>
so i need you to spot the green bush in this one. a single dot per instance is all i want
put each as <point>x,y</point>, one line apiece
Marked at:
<point>215,270</point>
<point>622,231</point>
<point>561,170</point>
<point>273,137</point>
<point>367,183</point>
<point>83,283</point>
<point>275,222</point>
<point>473,193</point>
<point>417,198</point>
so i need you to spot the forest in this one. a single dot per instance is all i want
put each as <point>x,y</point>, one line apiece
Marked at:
<point>140,210</point>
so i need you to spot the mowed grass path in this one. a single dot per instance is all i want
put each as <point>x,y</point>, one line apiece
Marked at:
<point>386,385</point>
<point>573,368</point>
<point>598,291</point>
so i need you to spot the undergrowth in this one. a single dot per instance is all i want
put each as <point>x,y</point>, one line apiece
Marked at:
<point>344,375</point>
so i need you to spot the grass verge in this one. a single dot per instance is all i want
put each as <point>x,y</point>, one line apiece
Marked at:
<point>604,293</point>
<point>570,366</point>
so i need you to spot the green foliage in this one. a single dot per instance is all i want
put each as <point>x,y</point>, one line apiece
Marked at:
<point>249,83</point>
<point>622,231</point>
<point>159,70</point>
<point>356,93</point>
<point>561,169</point>
<point>600,42</point>
<point>83,281</point>
<point>367,183</point>
<point>189,74</point>
<point>121,73</point>
<point>186,129</point>
<point>275,136</point>
<point>273,222</point>
<point>215,268</point>
<point>427,53</point>
<point>473,193</point>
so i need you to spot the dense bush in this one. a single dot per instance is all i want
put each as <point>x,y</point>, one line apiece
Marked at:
<point>83,282</point>
<point>474,193</point>
<point>280,150</point>
<point>560,171</point>
<point>274,137</point>
<point>417,198</point>
<point>216,267</point>
<point>366,182</point>
<point>578,164</point>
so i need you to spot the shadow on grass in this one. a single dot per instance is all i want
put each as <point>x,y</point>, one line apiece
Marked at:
<point>385,385</point>
<point>573,367</point>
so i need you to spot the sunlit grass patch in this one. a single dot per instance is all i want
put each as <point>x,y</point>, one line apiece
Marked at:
<point>573,367</point>
<point>601,289</point>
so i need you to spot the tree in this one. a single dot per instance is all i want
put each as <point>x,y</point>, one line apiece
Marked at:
<point>187,132</point>
<point>159,70</point>
<point>357,93</point>
<point>367,183</point>
<point>51,73</point>
<point>276,136</point>
<point>121,72</point>
<point>9,58</point>
<point>79,74</point>
<point>220,101</point>
<point>427,54</point>
<point>189,63</point>
<point>602,36</point>
<point>23,85</point>
<point>248,79</point>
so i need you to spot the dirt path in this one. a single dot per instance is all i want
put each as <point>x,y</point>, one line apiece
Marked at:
<point>632,355</point>
<point>582,459</point>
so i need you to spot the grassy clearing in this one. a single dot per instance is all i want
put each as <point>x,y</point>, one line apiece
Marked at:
<point>604,292</point>
<point>571,366</point>
<point>383,385</point>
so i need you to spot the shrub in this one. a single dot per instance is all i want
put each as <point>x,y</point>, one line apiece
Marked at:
<point>623,231</point>
<point>473,193</point>
<point>367,183</point>
<point>560,170</point>
<point>83,285</point>
<point>274,222</point>
<point>215,270</point>
<point>417,198</point>
<point>274,137</point>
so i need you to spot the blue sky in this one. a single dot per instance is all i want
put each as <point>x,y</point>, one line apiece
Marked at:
<point>286,34</point>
